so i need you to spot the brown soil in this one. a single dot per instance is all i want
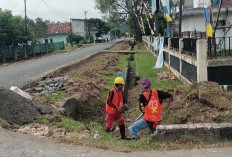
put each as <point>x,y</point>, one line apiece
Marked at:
<point>197,103</point>
<point>166,75</point>
<point>86,84</point>
<point>121,46</point>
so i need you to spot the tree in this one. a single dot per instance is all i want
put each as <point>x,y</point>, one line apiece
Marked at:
<point>12,28</point>
<point>102,26</point>
<point>40,27</point>
<point>122,10</point>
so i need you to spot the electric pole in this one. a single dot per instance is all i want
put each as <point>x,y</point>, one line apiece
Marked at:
<point>180,17</point>
<point>86,23</point>
<point>71,33</point>
<point>85,12</point>
<point>25,6</point>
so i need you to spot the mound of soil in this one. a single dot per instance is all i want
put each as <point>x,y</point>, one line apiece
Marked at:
<point>16,109</point>
<point>121,46</point>
<point>89,82</point>
<point>166,75</point>
<point>197,103</point>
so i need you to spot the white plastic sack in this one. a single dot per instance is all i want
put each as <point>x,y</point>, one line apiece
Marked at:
<point>20,92</point>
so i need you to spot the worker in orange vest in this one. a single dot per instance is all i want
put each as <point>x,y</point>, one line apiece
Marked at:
<point>150,104</point>
<point>114,104</point>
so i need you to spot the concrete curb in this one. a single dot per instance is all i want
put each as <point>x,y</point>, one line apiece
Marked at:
<point>204,131</point>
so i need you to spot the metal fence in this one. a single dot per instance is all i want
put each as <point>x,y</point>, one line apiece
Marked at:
<point>175,43</point>
<point>11,53</point>
<point>219,47</point>
<point>189,45</point>
<point>166,41</point>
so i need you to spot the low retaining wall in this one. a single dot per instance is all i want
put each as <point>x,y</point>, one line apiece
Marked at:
<point>210,132</point>
<point>191,67</point>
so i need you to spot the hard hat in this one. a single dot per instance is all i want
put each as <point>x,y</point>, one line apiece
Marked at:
<point>145,84</point>
<point>119,80</point>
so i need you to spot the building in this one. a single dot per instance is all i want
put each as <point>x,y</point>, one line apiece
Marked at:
<point>193,22</point>
<point>56,32</point>
<point>84,28</point>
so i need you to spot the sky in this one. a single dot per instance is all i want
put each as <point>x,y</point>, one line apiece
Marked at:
<point>53,10</point>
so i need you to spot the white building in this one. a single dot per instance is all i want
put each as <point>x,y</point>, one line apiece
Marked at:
<point>84,28</point>
<point>193,22</point>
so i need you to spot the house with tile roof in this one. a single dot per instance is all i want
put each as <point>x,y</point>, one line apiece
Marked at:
<point>57,32</point>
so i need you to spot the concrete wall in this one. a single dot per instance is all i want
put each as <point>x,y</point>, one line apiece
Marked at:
<point>55,38</point>
<point>78,27</point>
<point>190,23</point>
<point>190,68</point>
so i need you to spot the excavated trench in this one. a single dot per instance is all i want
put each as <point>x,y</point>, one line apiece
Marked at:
<point>131,77</point>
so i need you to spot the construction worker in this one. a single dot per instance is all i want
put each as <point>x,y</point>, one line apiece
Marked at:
<point>150,104</point>
<point>121,74</point>
<point>114,105</point>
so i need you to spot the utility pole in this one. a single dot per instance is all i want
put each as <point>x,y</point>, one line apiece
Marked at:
<point>25,6</point>
<point>180,17</point>
<point>168,23</point>
<point>86,23</point>
<point>71,33</point>
<point>85,12</point>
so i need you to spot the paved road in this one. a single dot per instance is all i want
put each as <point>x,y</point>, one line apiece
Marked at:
<point>24,73</point>
<point>21,145</point>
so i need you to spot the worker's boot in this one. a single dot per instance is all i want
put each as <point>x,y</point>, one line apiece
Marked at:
<point>123,132</point>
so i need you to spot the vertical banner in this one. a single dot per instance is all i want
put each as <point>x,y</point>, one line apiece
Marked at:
<point>160,58</point>
<point>209,29</point>
<point>166,7</point>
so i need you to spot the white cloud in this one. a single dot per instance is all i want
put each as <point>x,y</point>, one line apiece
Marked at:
<point>57,10</point>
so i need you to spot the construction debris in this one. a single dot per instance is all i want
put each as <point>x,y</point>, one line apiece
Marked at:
<point>16,109</point>
<point>49,85</point>
<point>20,92</point>
<point>166,75</point>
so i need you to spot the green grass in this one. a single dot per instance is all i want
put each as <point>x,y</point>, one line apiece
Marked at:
<point>4,124</point>
<point>122,63</point>
<point>66,123</point>
<point>57,96</point>
<point>145,63</point>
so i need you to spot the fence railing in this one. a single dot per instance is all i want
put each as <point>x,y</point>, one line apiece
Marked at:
<point>166,41</point>
<point>219,46</point>
<point>10,53</point>
<point>175,43</point>
<point>189,45</point>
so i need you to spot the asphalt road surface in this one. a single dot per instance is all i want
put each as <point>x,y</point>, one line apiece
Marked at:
<point>21,145</point>
<point>24,73</point>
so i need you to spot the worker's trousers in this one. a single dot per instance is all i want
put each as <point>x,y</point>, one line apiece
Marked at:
<point>138,126</point>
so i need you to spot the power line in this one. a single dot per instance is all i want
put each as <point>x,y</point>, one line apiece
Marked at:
<point>54,11</point>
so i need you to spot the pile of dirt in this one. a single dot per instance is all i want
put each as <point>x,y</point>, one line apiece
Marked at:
<point>16,109</point>
<point>197,103</point>
<point>121,46</point>
<point>89,82</point>
<point>166,75</point>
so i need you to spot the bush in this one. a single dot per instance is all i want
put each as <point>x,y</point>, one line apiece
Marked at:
<point>82,42</point>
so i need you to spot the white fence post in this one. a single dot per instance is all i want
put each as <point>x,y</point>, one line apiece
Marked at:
<point>202,72</point>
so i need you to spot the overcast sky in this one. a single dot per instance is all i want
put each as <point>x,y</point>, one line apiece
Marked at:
<point>55,10</point>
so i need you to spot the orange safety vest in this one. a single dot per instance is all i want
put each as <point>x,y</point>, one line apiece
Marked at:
<point>117,101</point>
<point>153,110</point>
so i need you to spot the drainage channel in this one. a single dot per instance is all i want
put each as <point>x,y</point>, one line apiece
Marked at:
<point>130,74</point>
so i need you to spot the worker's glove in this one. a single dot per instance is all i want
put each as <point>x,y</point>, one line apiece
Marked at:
<point>119,110</point>
<point>124,108</point>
